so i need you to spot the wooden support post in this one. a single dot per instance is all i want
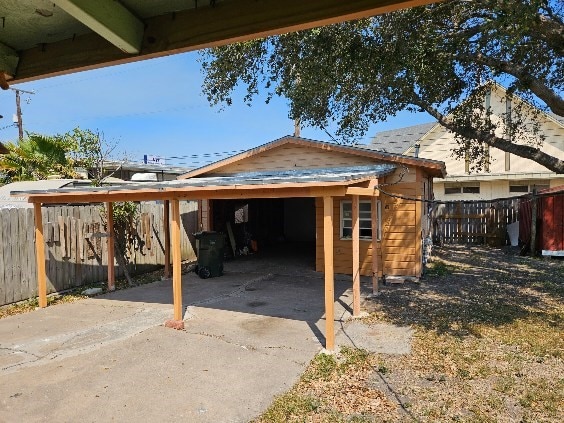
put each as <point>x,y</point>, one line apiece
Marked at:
<point>111,253</point>
<point>534,212</point>
<point>176,261</point>
<point>356,255</point>
<point>329,273</point>
<point>40,256</point>
<point>166,220</point>
<point>374,219</point>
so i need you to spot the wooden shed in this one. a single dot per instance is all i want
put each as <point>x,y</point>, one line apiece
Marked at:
<point>548,207</point>
<point>401,219</point>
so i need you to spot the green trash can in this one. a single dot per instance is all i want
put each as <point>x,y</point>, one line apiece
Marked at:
<point>209,246</point>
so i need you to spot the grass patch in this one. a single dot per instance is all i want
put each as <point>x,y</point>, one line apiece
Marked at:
<point>290,407</point>
<point>32,304</point>
<point>334,388</point>
<point>439,268</point>
<point>488,342</point>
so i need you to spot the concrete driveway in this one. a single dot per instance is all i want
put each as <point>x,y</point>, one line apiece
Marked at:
<point>249,335</point>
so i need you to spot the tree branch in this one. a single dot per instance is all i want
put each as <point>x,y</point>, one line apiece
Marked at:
<point>550,97</point>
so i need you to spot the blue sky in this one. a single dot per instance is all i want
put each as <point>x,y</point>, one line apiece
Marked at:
<point>156,107</point>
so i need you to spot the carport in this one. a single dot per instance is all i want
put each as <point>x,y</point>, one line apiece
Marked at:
<point>324,183</point>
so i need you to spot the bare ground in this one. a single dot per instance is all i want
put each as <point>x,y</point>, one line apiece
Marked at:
<point>488,346</point>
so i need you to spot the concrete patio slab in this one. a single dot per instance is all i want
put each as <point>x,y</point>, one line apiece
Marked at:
<point>248,337</point>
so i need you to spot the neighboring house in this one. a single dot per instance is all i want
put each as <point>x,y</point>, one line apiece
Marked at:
<point>508,175</point>
<point>132,171</point>
<point>401,223</point>
<point>8,201</point>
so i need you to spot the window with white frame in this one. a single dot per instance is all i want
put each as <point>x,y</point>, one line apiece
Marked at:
<point>364,219</point>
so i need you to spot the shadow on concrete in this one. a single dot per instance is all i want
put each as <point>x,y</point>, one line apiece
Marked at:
<point>279,282</point>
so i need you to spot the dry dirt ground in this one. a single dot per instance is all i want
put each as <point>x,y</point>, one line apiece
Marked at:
<point>487,346</point>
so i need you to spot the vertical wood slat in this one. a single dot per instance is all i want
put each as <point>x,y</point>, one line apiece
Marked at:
<point>471,229</point>
<point>355,203</point>
<point>15,262</point>
<point>63,271</point>
<point>3,280</point>
<point>166,229</point>
<point>329,273</point>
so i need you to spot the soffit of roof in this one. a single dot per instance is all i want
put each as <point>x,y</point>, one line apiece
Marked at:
<point>434,167</point>
<point>30,23</point>
<point>38,38</point>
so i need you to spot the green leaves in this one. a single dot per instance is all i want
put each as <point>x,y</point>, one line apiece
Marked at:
<point>433,57</point>
<point>36,157</point>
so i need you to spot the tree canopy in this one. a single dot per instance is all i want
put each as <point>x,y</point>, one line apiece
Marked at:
<point>35,158</point>
<point>434,58</point>
<point>39,156</point>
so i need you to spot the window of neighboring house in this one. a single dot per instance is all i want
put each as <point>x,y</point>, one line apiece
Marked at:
<point>453,189</point>
<point>523,187</point>
<point>471,189</point>
<point>364,219</point>
<point>465,188</point>
<point>518,188</point>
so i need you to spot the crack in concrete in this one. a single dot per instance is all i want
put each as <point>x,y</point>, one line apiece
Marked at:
<point>84,341</point>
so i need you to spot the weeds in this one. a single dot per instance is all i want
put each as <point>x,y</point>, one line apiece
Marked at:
<point>32,304</point>
<point>488,347</point>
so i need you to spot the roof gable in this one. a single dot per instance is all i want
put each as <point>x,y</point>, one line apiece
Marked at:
<point>439,142</point>
<point>293,152</point>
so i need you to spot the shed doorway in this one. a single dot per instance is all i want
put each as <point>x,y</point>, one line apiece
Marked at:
<point>274,226</point>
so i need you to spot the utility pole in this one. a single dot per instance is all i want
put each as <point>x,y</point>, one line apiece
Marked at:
<point>19,110</point>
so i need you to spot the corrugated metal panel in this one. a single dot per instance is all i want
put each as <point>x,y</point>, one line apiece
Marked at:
<point>338,174</point>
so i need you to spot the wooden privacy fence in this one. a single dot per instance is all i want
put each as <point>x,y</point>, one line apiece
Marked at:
<point>477,222</point>
<point>76,246</point>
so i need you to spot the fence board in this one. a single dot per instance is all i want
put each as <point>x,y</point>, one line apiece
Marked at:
<point>474,222</point>
<point>72,259</point>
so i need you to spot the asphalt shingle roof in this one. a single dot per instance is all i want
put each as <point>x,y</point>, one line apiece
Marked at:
<point>397,141</point>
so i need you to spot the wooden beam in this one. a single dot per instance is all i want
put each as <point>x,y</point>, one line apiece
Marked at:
<point>194,29</point>
<point>40,256</point>
<point>9,59</point>
<point>111,251</point>
<point>176,261</point>
<point>374,219</point>
<point>189,193</point>
<point>109,19</point>
<point>419,209</point>
<point>356,255</point>
<point>166,229</point>
<point>329,273</point>
<point>366,192</point>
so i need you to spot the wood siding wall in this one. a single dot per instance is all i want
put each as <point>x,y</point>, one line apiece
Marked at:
<point>73,256</point>
<point>292,157</point>
<point>400,248</point>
